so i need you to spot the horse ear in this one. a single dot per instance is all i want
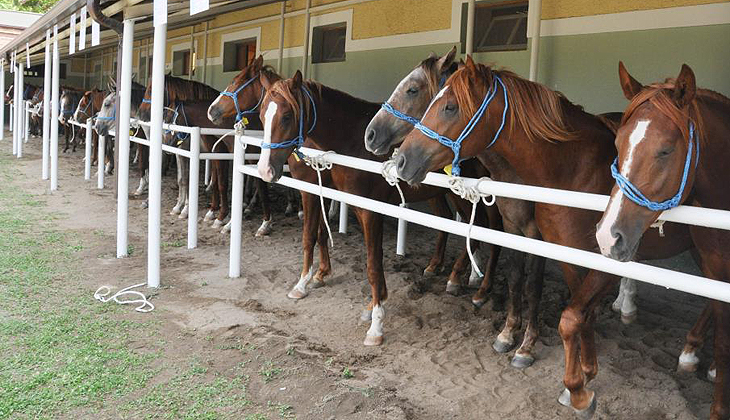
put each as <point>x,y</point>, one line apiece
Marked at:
<point>444,62</point>
<point>630,85</point>
<point>297,78</point>
<point>470,66</point>
<point>258,62</point>
<point>265,81</point>
<point>685,87</point>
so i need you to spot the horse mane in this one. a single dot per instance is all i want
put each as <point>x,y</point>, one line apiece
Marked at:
<point>188,90</point>
<point>282,89</point>
<point>539,111</point>
<point>660,95</point>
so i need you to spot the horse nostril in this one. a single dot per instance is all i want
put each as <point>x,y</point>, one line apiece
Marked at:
<point>400,163</point>
<point>618,236</point>
<point>370,135</point>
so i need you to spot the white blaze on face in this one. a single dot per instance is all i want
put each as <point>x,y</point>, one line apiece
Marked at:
<point>605,238</point>
<point>264,167</point>
<point>436,98</point>
<point>214,104</point>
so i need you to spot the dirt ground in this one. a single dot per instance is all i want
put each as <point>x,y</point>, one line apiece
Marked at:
<point>437,361</point>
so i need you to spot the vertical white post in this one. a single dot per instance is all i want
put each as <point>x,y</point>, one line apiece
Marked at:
<point>26,120</point>
<point>46,106</point>
<point>305,57</point>
<point>20,109</point>
<point>535,13</point>
<point>470,28</point>
<point>207,173</point>
<point>122,133</point>
<point>101,153</point>
<point>15,111</point>
<point>193,185</point>
<point>87,150</point>
<point>343,217</point>
<point>54,112</point>
<point>234,267</point>
<point>400,247</point>
<point>2,100</point>
<point>155,171</point>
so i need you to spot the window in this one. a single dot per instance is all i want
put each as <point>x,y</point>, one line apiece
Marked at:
<point>181,63</point>
<point>328,43</point>
<point>62,71</point>
<point>500,27</point>
<point>238,54</point>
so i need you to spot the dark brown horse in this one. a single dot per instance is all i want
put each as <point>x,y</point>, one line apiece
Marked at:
<point>68,102</point>
<point>664,128</point>
<point>549,142</point>
<point>88,107</point>
<point>288,107</point>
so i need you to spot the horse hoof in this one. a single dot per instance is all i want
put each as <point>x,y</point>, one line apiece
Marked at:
<point>145,204</point>
<point>453,289</point>
<point>475,282</point>
<point>564,398</point>
<point>296,294</point>
<point>366,315</point>
<point>522,362</point>
<point>300,215</point>
<point>264,229</point>
<point>712,375</point>
<point>478,303</point>
<point>688,362</point>
<point>588,412</point>
<point>628,318</point>
<point>210,215</point>
<point>289,210</point>
<point>501,346</point>
<point>217,224</point>
<point>226,229</point>
<point>373,340</point>
<point>316,283</point>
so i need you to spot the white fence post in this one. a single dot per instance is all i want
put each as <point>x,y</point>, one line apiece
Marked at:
<point>193,185</point>
<point>54,112</point>
<point>20,109</point>
<point>87,151</point>
<point>343,217</point>
<point>207,172</point>
<point>2,100</point>
<point>122,134</point>
<point>155,167</point>
<point>46,106</point>
<point>400,248</point>
<point>100,162</point>
<point>234,267</point>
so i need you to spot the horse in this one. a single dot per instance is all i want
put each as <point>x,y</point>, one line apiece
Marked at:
<point>389,127</point>
<point>293,104</point>
<point>550,142</point>
<point>106,120</point>
<point>88,107</point>
<point>36,121</point>
<point>69,100</point>
<point>663,130</point>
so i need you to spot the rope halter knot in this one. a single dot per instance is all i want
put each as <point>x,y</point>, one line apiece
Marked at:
<point>633,193</point>
<point>234,96</point>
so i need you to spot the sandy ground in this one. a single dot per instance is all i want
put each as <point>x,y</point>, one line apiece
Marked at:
<point>437,361</point>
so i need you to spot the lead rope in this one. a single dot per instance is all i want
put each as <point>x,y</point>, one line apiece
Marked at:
<point>319,163</point>
<point>471,194</point>
<point>212,149</point>
<point>386,170</point>
<point>102,295</point>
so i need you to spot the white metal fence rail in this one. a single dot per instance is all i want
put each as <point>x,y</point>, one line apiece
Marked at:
<point>696,285</point>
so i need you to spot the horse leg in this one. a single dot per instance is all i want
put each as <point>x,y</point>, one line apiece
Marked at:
<point>73,138</point>
<point>325,266</point>
<point>505,341</point>
<point>440,207</point>
<point>179,204</point>
<point>263,192</point>
<point>254,198</point>
<point>223,194</point>
<point>688,360</point>
<point>184,169</point>
<point>67,145</point>
<point>372,228</point>
<point>576,330</point>
<point>625,303</point>
<point>494,222</point>
<point>291,203</point>
<point>334,210</point>
<point>213,207</point>
<point>109,157</point>
<point>143,164</point>
<point>535,269</point>
<point>312,213</point>
<point>721,397</point>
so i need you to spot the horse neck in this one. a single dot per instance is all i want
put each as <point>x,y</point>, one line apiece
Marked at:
<point>341,121</point>
<point>580,165</point>
<point>712,175</point>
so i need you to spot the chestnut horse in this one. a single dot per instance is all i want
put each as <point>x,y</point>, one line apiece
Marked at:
<point>663,130</point>
<point>88,107</point>
<point>549,142</point>
<point>291,105</point>
<point>389,127</point>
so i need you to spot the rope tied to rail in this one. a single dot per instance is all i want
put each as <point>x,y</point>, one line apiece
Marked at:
<point>391,177</point>
<point>319,163</point>
<point>472,194</point>
<point>102,295</point>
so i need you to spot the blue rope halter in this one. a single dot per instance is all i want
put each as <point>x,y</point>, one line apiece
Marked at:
<point>455,145</point>
<point>234,96</point>
<point>400,115</point>
<point>297,141</point>
<point>634,194</point>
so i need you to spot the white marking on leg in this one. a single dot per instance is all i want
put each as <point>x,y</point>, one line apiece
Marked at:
<point>376,326</point>
<point>210,215</point>
<point>265,228</point>
<point>688,359</point>
<point>712,375</point>
<point>616,306</point>
<point>475,280</point>
<point>264,166</point>
<point>301,285</point>
<point>628,307</point>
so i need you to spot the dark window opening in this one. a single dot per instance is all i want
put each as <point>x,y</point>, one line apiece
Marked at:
<point>238,54</point>
<point>181,63</point>
<point>497,27</point>
<point>328,43</point>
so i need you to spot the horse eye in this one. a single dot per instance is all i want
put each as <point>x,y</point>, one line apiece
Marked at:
<point>450,107</point>
<point>412,90</point>
<point>665,152</point>
<point>286,117</point>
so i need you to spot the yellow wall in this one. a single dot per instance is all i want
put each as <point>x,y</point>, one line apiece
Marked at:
<point>554,9</point>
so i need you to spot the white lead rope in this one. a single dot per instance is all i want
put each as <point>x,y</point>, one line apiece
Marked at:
<point>102,295</point>
<point>319,163</point>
